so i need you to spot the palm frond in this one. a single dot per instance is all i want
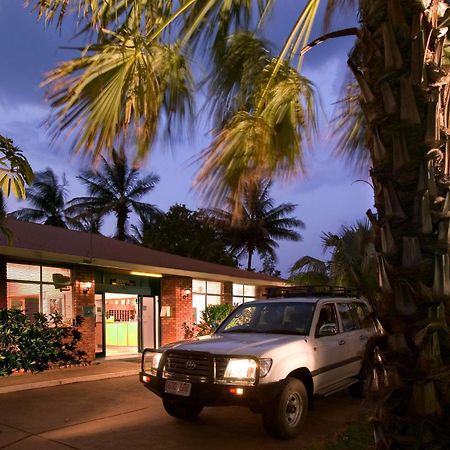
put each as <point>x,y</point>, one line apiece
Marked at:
<point>350,126</point>
<point>253,145</point>
<point>117,91</point>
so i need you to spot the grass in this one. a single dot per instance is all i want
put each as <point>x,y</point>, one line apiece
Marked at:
<point>357,436</point>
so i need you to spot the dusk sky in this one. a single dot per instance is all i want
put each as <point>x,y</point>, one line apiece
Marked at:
<point>327,197</point>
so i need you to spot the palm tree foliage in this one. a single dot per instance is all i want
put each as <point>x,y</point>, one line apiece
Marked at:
<point>400,64</point>
<point>259,225</point>
<point>310,271</point>
<point>115,188</point>
<point>353,258</point>
<point>48,197</point>
<point>15,170</point>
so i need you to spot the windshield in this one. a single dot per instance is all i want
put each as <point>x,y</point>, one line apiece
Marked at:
<point>277,318</point>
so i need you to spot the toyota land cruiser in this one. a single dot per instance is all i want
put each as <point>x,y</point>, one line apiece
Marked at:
<point>270,355</point>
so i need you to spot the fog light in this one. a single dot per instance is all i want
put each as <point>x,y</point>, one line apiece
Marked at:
<point>146,378</point>
<point>237,391</point>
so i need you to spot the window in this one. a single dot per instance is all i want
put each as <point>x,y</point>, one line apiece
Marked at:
<point>349,320</point>
<point>327,324</point>
<point>363,314</point>
<point>205,293</point>
<point>243,293</point>
<point>39,289</point>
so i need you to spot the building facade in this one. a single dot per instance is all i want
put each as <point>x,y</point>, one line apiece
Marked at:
<point>130,297</point>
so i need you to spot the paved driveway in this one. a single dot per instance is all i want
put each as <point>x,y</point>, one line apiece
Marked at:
<point>120,414</point>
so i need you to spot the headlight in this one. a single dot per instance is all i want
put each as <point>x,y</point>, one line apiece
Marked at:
<point>151,362</point>
<point>241,370</point>
<point>264,366</point>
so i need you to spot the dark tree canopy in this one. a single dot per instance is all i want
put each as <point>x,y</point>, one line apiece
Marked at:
<point>184,232</point>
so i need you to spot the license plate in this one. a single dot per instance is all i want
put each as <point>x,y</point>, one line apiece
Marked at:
<point>178,388</point>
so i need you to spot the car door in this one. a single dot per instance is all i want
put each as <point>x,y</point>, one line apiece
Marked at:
<point>354,336</point>
<point>329,348</point>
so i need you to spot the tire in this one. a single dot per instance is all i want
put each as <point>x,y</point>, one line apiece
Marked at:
<point>360,388</point>
<point>182,410</point>
<point>284,417</point>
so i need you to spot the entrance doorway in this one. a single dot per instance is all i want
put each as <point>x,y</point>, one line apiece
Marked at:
<point>125,324</point>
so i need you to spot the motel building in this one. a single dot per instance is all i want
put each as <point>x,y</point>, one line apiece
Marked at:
<point>130,297</point>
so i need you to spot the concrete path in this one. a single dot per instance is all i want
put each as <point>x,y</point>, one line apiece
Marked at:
<point>100,369</point>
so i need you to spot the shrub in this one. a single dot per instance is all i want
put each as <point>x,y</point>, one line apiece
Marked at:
<point>212,316</point>
<point>35,345</point>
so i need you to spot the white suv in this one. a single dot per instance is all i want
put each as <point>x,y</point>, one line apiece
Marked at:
<point>270,355</point>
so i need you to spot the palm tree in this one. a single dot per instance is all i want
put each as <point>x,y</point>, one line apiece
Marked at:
<point>259,225</point>
<point>121,86</point>
<point>48,198</point>
<point>310,271</point>
<point>353,258</point>
<point>114,189</point>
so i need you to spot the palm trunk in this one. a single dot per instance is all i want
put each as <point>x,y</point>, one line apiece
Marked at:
<point>122,216</point>
<point>405,102</point>
<point>250,256</point>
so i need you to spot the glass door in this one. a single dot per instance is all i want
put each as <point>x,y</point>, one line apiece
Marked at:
<point>148,331</point>
<point>100,349</point>
<point>121,324</point>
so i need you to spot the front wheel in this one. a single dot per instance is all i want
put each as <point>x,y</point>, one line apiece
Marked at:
<point>182,410</point>
<point>283,418</point>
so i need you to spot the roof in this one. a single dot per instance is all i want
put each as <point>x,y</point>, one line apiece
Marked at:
<point>44,243</point>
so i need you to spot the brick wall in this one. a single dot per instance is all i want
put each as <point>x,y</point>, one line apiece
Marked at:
<point>3,287</point>
<point>172,292</point>
<point>227,293</point>
<point>80,301</point>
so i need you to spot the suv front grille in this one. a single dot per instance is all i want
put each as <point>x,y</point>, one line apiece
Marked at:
<point>193,366</point>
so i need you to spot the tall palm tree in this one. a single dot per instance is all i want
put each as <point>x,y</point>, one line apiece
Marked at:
<point>120,86</point>
<point>48,198</point>
<point>259,225</point>
<point>114,189</point>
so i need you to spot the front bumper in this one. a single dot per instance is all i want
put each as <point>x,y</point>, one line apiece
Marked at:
<point>211,394</point>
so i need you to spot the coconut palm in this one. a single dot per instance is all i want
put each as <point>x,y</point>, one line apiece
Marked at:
<point>310,271</point>
<point>353,260</point>
<point>119,87</point>
<point>115,188</point>
<point>48,197</point>
<point>259,225</point>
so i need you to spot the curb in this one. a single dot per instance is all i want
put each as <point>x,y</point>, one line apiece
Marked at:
<point>60,382</point>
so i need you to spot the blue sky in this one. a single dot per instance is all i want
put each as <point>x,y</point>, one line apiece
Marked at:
<point>327,196</point>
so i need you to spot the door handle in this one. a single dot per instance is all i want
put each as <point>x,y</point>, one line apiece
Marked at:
<point>341,342</point>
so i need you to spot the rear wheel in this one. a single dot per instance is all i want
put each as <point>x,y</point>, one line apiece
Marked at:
<point>283,418</point>
<point>182,410</point>
<point>360,388</point>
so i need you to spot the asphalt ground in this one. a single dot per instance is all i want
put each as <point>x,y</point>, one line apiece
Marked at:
<point>119,413</point>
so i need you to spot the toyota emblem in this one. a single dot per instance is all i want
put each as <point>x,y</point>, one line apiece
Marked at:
<point>190,365</point>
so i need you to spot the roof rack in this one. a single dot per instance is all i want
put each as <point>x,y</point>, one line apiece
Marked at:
<point>316,290</point>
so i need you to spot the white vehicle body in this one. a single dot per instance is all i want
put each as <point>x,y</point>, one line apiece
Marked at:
<point>266,353</point>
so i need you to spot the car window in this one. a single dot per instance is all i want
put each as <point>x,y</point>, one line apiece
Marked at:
<point>327,323</point>
<point>363,313</point>
<point>281,318</point>
<point>350,322</point>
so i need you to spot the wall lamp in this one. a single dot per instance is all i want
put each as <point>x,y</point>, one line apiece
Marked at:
<point>186,292</point>
<point>85,286</point>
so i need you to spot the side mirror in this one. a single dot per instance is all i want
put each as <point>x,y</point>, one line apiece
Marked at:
<point>328,329</point>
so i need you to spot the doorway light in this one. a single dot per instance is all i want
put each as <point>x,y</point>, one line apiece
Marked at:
<point>85,286</point>
<point>147,274</point>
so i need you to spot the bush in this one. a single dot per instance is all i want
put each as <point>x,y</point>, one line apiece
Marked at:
<point>212,317</point>
<point>36,345</point>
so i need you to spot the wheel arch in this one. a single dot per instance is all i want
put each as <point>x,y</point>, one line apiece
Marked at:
<point>304,375</point>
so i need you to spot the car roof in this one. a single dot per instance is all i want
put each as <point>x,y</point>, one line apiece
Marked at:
<point>313,299</point>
